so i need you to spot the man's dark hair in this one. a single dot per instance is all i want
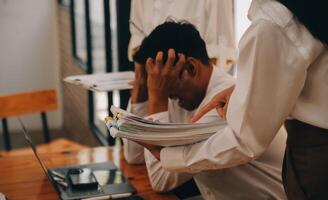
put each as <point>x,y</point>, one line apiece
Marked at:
<point>183,37</point>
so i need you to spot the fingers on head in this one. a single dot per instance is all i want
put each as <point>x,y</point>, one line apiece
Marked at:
<point>170,57</point>
<point>182,58</point>
<point>149,64</point>
<point>179,65</point>
<point>159,58</point>
<point>181,61</point>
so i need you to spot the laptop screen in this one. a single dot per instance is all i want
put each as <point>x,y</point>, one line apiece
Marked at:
<point>29,141</point>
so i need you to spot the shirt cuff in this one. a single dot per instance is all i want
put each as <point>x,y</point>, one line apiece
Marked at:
<point>172,158</point>
<point>161,117</point>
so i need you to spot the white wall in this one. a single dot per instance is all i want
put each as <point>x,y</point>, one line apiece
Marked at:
<point>241,21</point>
<point>29,54</point>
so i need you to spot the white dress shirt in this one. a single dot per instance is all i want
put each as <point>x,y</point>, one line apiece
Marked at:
<point>259,179</point>
<point>212,18</point>
<point>282,71</point>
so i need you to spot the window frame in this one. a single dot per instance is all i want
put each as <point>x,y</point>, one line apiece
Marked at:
<point>87,65</point>
<point>108,141</point>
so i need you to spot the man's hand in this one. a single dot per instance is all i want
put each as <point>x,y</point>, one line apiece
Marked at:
<point>162,78</point>
<point>220,102</point>
<point>139,92</point>
<point>155,150</point>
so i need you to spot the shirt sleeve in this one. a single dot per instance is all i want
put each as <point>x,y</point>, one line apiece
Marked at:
<point>136,26</point>
<point>162,180</point>
<point>271,75</point>
<point>133,152</point>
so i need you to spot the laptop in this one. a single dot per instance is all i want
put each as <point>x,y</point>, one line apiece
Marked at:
<point>111,182</point>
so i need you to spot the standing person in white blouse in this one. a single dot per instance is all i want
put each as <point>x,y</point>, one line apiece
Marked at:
<point>212,18</point>
<point>282,72</point>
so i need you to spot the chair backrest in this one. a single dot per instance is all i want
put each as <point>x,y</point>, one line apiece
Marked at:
<point>27,103</point>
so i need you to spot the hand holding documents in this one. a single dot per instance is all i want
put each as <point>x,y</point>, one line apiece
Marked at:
<point>103,82</point>
<point>132,127</point>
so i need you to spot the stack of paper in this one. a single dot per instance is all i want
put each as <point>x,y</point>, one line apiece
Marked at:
<point>132,127</point>
<point>103,82</point>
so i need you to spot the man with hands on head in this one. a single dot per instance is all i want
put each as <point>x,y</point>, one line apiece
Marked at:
<point>180,80</point>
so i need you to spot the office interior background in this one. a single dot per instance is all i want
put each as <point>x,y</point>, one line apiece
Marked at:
<point>43,41</point>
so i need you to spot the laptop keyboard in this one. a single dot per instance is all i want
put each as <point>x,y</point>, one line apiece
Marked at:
<point>84,193</point>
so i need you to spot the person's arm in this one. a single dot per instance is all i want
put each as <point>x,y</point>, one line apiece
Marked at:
<point>160,179</point>
<point>134,152</point>
<point>138,105</point>
<point>160,79</point>
<point>136,27</point>
<point>271,75</point>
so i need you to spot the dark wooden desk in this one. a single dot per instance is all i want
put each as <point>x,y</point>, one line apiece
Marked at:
<point>21,177</point>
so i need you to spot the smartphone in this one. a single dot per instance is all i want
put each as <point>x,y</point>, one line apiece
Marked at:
<point>82,179</point>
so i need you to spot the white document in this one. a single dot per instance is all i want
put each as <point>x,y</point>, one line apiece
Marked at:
<point>103,82</point>
<point>132,127</point>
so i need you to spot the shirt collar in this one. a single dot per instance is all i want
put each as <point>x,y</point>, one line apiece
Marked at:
<point>213,79</point>
<point>219,81</point>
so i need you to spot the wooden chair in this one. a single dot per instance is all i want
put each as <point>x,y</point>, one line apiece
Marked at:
<point>27,103</point>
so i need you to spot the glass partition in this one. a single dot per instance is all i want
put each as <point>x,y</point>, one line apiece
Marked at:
<point>100,99</point>
<point>79,37</point>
